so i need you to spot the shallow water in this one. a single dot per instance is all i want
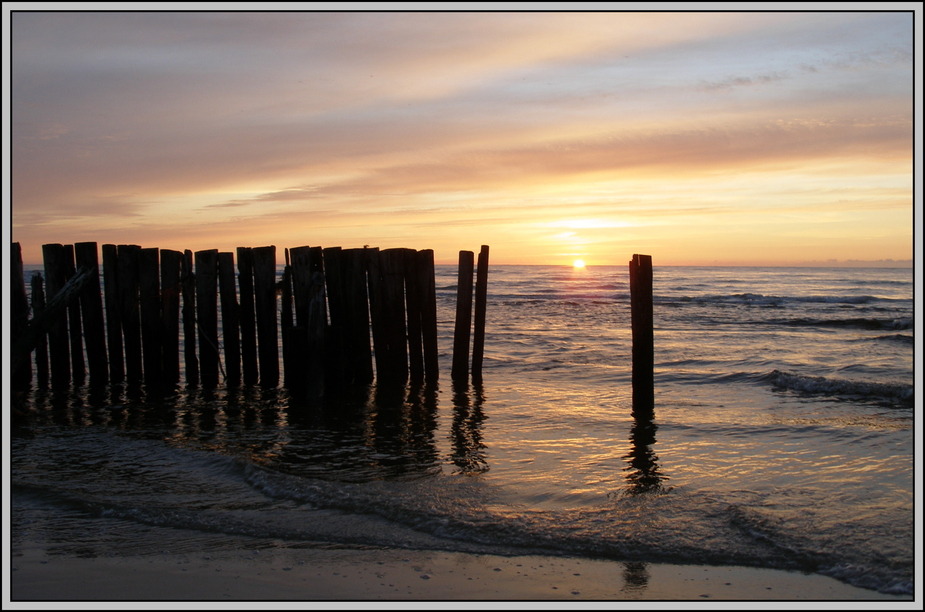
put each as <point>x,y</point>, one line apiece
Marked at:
<point>783,437</point>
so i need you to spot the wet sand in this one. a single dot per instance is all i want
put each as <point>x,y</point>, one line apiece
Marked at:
<point>350,575</point>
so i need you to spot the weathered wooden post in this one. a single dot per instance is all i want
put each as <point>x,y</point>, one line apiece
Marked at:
<point>113,313</point>
<point>149,291</point>
<point>460,370</point>
<point>247,318</point>
<point>91,307</point>
<point>265,307</point>
<point>170,313</point>
<point>481,299</point>
<point>206,309</point>
<point>21,379</point>
<point>414,304</point>
<point>53,255</point>
<point>287,328</point>
<point>41,347</point>
<point>308,288</point>
<point>74,325</point>
<point>356,310</point>
<point>392,307</point>
<point>230,323</point>
<point>128,304</point>
<point>428,297</point>
<point>336,333</point>
<point>643,334</point>
<point>188,288</point>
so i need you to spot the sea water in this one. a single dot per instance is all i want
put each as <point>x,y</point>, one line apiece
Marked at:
<point>782,437</point>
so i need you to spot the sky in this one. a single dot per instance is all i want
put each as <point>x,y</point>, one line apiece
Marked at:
<point>733,138</point>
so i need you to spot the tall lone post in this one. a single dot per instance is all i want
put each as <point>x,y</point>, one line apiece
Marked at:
<point>643,336</point>
<point>460,370</point>
<point>481,299</point>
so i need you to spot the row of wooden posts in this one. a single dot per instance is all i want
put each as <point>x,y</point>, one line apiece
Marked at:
<point>335,312</point>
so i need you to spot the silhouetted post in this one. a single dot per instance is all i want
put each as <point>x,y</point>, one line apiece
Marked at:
<point>206,309</point>
<point>336,333</point>
<point>78,366</point>
<point>58,346</point>
<point>170,313</point>
<point>265,307</point>
<point>188,288</point>
<point>287,327</point>
<point>91,308</point>
<point>41,347</point>
<point>149,288</point>
<point>21,379</point>
<point>377,316</point>
<point>308,283</point>
<point>460,371</point>
<point>247,318</point>
<point>356,310</point>
<point>128,304</point>
<point>113,313</point>
<point>428,297</point>
<point>643,335</point>
<point>230,324</point>
<point>414,303</point>
<point>481,299</point>
<point>392,306</point>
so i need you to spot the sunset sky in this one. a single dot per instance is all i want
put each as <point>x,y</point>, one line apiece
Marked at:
<point>701,137</point>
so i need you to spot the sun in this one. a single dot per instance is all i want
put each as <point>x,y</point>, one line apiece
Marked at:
<point>578,264</point>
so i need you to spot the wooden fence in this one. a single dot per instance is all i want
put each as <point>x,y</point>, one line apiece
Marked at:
<point>340,317</point>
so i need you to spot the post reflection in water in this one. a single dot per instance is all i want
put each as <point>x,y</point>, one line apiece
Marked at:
<point>635,577</point>
<point>468,450</point>
<point>642,473</point>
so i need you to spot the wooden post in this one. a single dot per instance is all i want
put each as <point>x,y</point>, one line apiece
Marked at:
<point>428,298</point>
<point>414,305</point>
<point>230,323</point>
<point>481,299</point>
<point>53,255</point>
<point>460,371</point>
<point>128,304</point>
<point>643,335</point>
<point>247,317</point>
<point>335,334</point>
<point>91,307</point>
<point>308,287</point>
<point>170,312</point>
<point>41,347</point>
<point>207,315</point>
<point>188,288</point>
<point>391,267</point>
<point>21,378</point>
<point>265,303</point>
<point>356,310</point>
<point>376,313</point>
<point>287,327</point>
<point>113,313</point>
<point>78,365</point>
<point>149,290</point>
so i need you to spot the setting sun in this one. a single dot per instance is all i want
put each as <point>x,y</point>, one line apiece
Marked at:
<point>578,263</point>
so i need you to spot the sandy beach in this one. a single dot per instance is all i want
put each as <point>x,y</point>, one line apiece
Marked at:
<point>350,575</point>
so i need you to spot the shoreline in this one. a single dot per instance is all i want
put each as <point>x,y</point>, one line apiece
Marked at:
<point>357,575</point>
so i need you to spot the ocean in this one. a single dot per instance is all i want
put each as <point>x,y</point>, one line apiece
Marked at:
<point>783,437</point>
